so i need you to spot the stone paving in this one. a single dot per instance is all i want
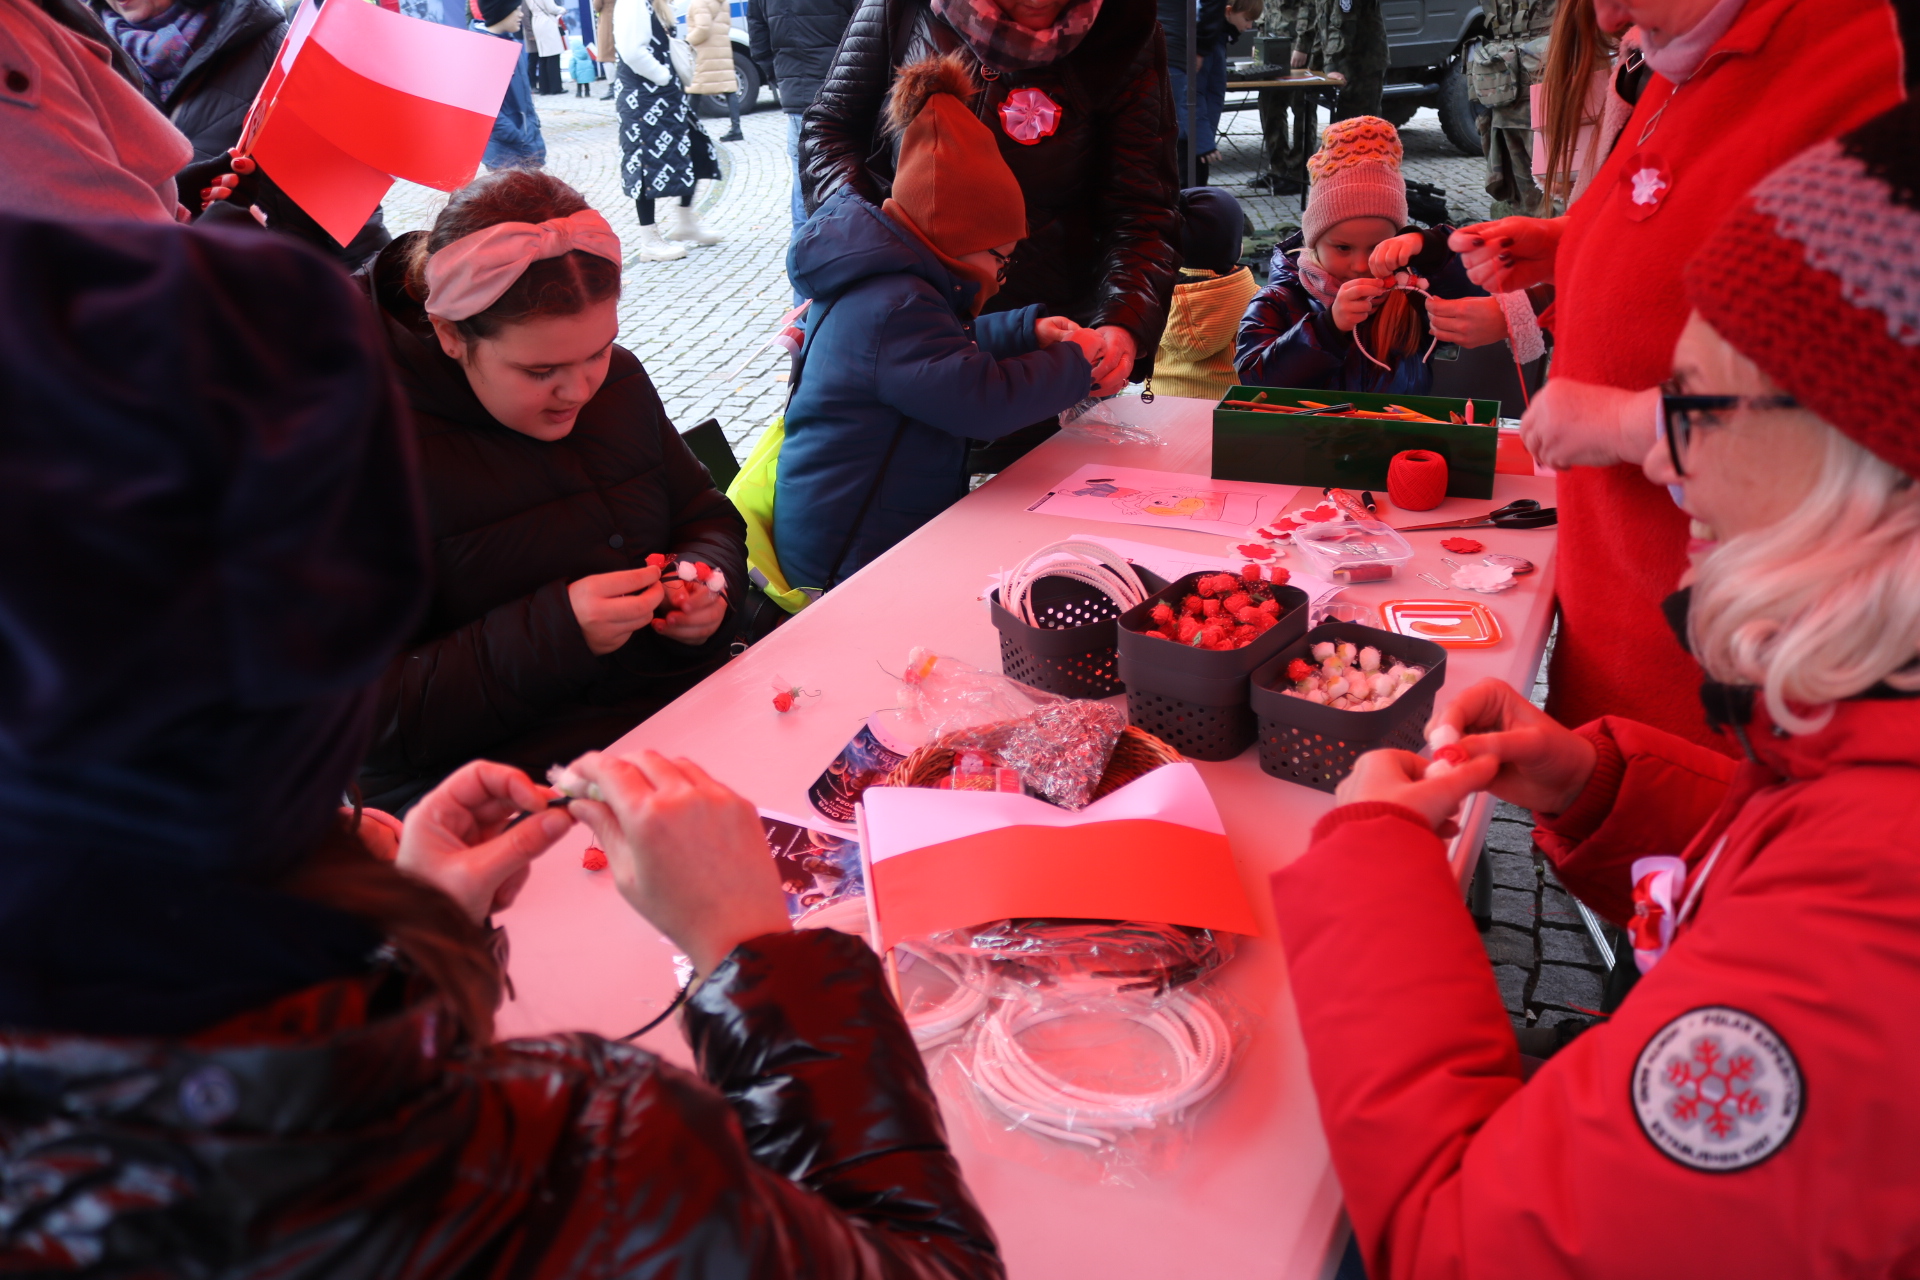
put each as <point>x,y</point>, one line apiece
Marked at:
<point>695,320</point>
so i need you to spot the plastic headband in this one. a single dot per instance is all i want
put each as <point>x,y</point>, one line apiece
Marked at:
<point>471,274</point>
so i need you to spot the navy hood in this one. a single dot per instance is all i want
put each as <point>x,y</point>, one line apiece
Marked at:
<point>848,240</point>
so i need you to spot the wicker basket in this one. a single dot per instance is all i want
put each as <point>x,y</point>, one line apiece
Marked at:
<point>1136,754</point>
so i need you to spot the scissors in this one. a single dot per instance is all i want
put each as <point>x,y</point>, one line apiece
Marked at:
<point>1524,514</point>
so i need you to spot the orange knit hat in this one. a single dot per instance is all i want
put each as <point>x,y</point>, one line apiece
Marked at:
<point>950,179</point>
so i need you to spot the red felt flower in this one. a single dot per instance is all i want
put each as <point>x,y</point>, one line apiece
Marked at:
<point>1255,551</point>
<point>1463,546</point>
<point>1319,515</point>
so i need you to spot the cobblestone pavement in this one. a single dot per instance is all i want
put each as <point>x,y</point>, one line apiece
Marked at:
<point>695,320</point>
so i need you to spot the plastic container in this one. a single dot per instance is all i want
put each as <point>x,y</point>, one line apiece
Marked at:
<point>1196,699</point>
<point>1353,551</point>
<point>1316,746</point>
<point>1075,655</point>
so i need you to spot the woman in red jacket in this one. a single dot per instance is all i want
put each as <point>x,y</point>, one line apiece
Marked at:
<point>1751,1108</point>
<point>1736,88</point>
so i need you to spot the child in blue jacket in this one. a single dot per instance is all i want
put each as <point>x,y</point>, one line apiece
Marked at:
<point>899,369</point>
<point>581,68</point>
<point>1332,314</point>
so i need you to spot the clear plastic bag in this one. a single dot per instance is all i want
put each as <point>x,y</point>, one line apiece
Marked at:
<point>1060,751</point>
<point>1100,420</point>
<point>940,695</point>
<point>1131,955</point>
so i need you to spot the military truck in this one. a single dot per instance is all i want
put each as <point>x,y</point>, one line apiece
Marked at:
<point>1427,46</point>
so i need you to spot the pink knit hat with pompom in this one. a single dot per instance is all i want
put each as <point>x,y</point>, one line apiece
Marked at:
<point>1354,174</point>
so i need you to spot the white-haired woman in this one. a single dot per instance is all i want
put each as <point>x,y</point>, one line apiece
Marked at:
<point>1752,1106</point>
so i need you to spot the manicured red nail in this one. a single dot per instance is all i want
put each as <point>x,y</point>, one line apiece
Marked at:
<point>1507,242</point>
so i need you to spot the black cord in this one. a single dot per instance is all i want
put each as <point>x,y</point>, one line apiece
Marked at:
<point>679,998</point>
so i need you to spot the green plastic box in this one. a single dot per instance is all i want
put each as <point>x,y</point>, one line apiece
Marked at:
<point>1350,453</point>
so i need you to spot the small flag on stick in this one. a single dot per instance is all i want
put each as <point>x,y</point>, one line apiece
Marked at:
<point>360,95</point>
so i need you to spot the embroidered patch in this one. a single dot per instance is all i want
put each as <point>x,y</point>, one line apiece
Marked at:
<point>1029,115</point>
<point>1717,1089</point>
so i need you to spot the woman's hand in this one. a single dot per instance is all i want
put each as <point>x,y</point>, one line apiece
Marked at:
<point>1540,764</point>
<point>1117,354</point>
<point>457,838</point>
<point>1509,253</point>
<point>694,612</point>
<point>610,607</point>
<point>380,832</point>
<point>1391,254</point>
<point>1588,424</point>
<point>687,853</point>
<point>1471,322</point>
<point>1358,298</point>
<point>1400,777</point>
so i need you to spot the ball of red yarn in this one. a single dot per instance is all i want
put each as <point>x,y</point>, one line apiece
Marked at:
<point>1417,480</point>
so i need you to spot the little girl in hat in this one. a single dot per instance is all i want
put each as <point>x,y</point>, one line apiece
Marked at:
<point>1357,300</point>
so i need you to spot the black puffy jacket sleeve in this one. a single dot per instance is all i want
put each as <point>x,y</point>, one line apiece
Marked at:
<point>842,125</point>
<point>1138,206</point>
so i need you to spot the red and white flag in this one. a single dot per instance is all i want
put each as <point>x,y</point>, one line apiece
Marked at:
<point>1153,850</point>
<point>361,95</point>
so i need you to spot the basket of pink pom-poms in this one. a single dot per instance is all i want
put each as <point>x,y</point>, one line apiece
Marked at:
<point>1340,690</point>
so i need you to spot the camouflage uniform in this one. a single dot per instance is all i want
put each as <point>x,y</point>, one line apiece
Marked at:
<point>1292,19</point>
<point>1501,70</point>
<point>1353,41</point>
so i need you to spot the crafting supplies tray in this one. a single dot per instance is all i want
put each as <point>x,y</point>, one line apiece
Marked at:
<point>1457,624</point>
<point>1351,453</point>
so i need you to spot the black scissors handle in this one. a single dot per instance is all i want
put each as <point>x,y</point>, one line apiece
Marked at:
<point>1532,516</point>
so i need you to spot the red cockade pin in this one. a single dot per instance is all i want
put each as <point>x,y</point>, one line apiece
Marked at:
<point>1029,115</point>
<point>1647,181</point>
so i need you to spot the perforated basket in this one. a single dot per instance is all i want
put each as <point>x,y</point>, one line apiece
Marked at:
<point>1196,699</point>
<point>1074,653</point>
<point>1315,745</point>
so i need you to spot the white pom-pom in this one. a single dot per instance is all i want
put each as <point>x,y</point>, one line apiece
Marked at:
<point>717,583</point>
<point>1347,651</point>
<point>687,571</point>
<point>1323,651</point>
<point>569,783</point>
<point>1383,684</point>
<point>1337,688</point>
<point>1369,659</point>
<point>1318,696</point>
<point>1443,736</point>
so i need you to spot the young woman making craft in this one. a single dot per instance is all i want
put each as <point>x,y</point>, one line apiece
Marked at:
<point>1744,1111</point>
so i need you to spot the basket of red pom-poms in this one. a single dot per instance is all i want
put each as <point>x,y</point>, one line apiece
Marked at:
<point>1186,653</point>
<point>1338,691</point>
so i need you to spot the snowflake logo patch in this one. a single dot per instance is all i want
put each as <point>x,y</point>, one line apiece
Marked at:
<point>1717,1089</point>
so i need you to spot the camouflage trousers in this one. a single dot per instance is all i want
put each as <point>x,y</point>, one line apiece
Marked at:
<point>1507,135</point>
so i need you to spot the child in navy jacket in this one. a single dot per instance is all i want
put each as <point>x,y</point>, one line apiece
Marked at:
<point>900,368</point>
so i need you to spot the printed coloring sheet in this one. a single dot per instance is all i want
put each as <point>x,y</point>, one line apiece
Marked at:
<point>1164,500</point>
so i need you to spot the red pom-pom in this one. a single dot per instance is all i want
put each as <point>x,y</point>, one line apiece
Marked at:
<point>1270,607</point>
<point>783,700</point>
<point>656,561</point>
<point>1463,546</point>
<point>702,572</point>
<point>594,859</point>
<point>1205,586</point>
<point>1453,753</point>
<point>1236,602</point>
<point>1250,572</point>
<point>1280,576</point>
<point>1210,608</point>
<point>1299,669</point>
<point>1192,606</point>
<point>1189,628</point>
<point>1163,613</point>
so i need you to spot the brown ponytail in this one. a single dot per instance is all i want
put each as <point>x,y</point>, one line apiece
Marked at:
<point>562,286</point>
<point>1575,50</point>
<point>1395,331</point>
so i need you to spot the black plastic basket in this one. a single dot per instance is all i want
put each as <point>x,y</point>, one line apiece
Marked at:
<point>1074,655</point>
<point>1196,699</point>
<point>1316,746</point>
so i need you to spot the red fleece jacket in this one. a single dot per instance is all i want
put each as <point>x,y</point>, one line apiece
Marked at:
<point>1808,924</point>
<point>1787,74</point>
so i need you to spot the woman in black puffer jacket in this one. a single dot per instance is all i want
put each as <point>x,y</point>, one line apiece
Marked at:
<point>551,474</point>
<point>1076,93</point>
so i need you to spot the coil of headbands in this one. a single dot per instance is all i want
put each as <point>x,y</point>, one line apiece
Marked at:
<point>1038,1100</point>
<point>1101,568</point>
<point>946,1019</point>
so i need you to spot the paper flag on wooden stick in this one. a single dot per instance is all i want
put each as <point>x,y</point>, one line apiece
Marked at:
<point>361,95</point>
<point>1153,850</point>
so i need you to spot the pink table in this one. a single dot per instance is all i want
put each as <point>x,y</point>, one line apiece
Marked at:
<point>1255,1193</point>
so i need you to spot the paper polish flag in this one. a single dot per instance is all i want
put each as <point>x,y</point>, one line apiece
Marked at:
<point>361,95</point>
<point>1153,850</point>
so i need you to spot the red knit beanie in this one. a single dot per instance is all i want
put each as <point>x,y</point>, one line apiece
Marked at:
<point>1815,277</point>
<point>950,178</point>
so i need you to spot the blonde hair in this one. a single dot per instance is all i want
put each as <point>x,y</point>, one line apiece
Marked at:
<point>1824,604</point>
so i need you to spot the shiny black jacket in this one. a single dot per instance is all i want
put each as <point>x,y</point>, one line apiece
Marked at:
<point>348,1132</point>
<point>500,668</point>
<point>229,64</point>
<point>1103,230</point>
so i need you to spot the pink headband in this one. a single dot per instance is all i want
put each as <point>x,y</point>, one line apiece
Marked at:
<point>469,275</point>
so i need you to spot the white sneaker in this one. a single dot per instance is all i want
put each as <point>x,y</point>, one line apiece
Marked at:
<point>651,248</point>
<point>683,225</point>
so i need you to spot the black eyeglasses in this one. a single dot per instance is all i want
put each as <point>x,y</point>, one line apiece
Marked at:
<point>1681,412</point>
<point>1003,259</point>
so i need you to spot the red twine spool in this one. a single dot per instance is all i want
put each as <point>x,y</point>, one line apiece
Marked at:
<point>1417,480</point>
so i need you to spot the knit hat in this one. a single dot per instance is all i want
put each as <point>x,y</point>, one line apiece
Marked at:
<point>950,179</point>
<point>1212,227</point>
<point>1815,277</point>
<point>1354,174</point>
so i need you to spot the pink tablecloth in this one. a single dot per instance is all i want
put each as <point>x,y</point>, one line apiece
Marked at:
<point>1254,1193</point>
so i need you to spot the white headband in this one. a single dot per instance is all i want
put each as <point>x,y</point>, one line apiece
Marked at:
<point>469,275</point>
